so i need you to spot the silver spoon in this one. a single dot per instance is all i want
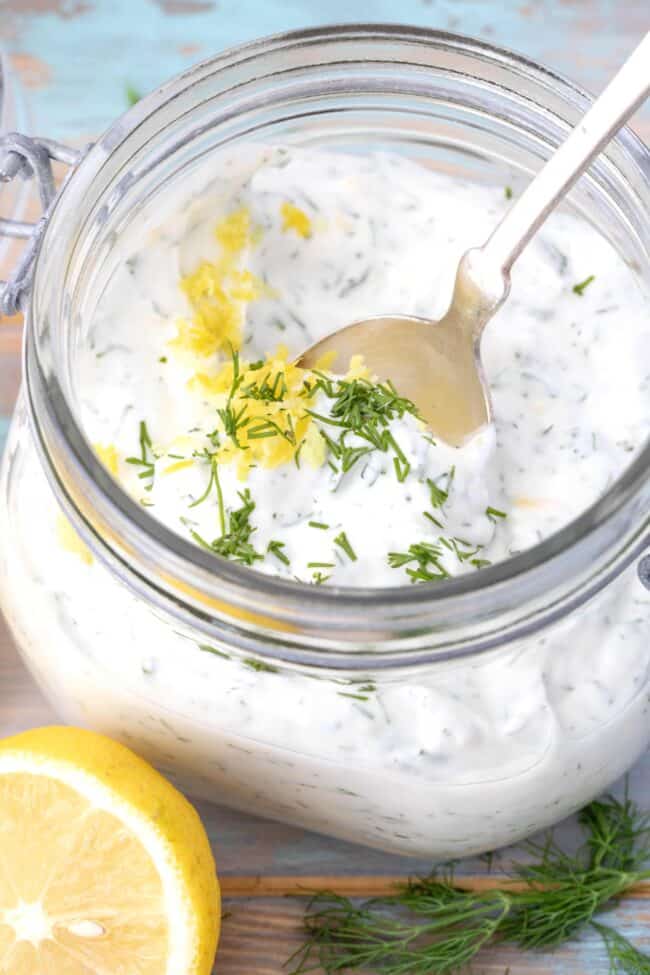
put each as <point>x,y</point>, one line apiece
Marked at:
<point>437,365</point>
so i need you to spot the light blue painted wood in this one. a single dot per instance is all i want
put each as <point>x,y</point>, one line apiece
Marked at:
<point>90,51</point>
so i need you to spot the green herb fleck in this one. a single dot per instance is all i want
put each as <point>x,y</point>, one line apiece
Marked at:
<point>364,409</point>
<point>579,289</point>
<point>438,494</point>
<point>508,192</point>
<point>427,556</point>
<point>260,666</point>
<point>343,542</point>
<point>233,544</point>
<point>217,653</point>
<point>133,96</point>
<point>494,514</point>
<point>146,460</point>
<point>275,548</point>
<point>318,578</point>
<point>318,524</point>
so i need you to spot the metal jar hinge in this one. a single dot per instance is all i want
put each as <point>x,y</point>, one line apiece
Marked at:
<point>24,158</point>
<point>644,571</point>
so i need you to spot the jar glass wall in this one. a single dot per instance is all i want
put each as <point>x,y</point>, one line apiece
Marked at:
<point>491,706</point>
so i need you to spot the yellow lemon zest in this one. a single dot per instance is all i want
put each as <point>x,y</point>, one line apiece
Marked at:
<point>326,360</point>
<point>293,218</point>
<point>108,456</point>
<point>70,541</point>
<point>358,369</point>
<point>234,231</point>
<point>278,426</point>
<point>217,289</point>
<point>66,535</point>
<point>178,466</point>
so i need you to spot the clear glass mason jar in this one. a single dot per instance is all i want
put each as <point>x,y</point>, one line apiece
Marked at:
<point>436,720</point>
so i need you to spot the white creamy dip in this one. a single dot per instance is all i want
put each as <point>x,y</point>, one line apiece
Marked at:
<point>446,761</point>
<point>330,239</point>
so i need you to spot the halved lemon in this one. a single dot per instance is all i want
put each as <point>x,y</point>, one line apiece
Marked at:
<point>105,869</point>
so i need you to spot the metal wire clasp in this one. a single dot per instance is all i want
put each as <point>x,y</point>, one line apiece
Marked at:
<point>24,158</point>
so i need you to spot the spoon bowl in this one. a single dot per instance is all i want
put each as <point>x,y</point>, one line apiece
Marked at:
<point>437,364</point>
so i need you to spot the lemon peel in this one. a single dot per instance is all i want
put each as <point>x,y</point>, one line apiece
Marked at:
<point>293,218</point>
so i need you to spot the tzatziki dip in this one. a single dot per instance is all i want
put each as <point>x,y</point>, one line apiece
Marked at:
<point>189,392</point>
<point>189,380</point>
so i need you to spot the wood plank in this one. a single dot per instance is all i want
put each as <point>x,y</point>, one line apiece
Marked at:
<point>259,936</point>
<point>374,886</point>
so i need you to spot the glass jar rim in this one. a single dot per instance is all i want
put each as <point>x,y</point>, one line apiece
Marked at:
<point>274,599</point>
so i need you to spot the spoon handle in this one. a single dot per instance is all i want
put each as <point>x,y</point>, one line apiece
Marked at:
<point>620,99</point>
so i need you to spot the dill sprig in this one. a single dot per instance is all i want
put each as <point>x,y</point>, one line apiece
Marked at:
<point>432,927</point>
<point>147,459</point>
<point>624,958</point>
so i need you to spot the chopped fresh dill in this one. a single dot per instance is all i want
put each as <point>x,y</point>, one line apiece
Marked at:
<point>343,542</point>
<point>147,459</point>
<point>275,548</point>
<point>494,514</point>
<point>213,481</point>
<point>259,665</point>
<point>508,192</point>
<point>268,390</point>
<point>480,563</point>
<point>402,469</point>
<point>318,524</point>
<point>432,518</point>
<point>233,543</point>
<point>318,578</point>
<point>163,359</point>
<point>266,427</point>
<point>432,927</point>
<point>350,455</point>
<point>321,565</point>
<point>233,421</point>
<point>438,494</point>
<point>217,653</point>
<point>426,556</point>
<point>579,289</point>
<point>355,697</point>
<point>364,409</point>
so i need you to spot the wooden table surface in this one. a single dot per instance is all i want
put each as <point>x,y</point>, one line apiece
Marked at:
<point>75,59</point>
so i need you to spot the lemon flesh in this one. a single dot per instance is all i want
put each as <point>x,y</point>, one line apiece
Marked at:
<point>105,869</point>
